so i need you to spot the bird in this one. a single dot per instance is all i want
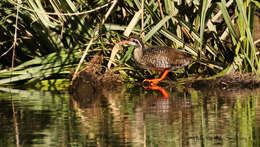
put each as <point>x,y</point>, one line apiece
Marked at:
<point>157,58</point>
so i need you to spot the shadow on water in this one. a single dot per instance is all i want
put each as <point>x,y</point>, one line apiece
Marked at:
<point>132,115</point>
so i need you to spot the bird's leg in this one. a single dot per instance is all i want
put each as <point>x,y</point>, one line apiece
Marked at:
<point>155,81</point>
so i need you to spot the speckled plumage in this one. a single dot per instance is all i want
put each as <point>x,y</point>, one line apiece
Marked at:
<point>160,57</point>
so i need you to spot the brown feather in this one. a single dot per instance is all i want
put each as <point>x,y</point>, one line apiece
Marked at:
<point>164,57</point>
<point>158,57</point>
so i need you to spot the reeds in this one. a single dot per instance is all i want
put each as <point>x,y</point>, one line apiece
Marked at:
<point>52,35</point>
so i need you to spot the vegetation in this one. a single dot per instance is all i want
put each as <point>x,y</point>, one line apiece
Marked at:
<point>43,41</point>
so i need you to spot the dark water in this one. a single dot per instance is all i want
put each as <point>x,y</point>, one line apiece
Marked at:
<point>130,116</point>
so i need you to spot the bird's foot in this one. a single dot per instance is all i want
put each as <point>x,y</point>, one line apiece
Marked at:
<point>155,81</point>
<point>152,81</point>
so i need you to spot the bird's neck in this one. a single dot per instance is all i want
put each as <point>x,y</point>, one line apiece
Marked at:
<point>138,53</point>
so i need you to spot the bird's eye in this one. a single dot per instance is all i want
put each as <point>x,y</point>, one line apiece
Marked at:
<point>136,41</point>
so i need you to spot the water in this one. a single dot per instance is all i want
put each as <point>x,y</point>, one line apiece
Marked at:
<point>130,116</point>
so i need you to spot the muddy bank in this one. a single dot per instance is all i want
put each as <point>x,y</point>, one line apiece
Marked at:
<point>91,82</point>
<point>231,81</point>
<point>92,74</point>
<point>95,80</point>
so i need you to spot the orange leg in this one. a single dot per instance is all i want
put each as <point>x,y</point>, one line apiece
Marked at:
<point>163,91</point>
<point>155,81</point>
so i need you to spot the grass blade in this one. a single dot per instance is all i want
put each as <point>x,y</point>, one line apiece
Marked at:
<point>156,28</point>
<point>202,21</point>
<point>227,19</point>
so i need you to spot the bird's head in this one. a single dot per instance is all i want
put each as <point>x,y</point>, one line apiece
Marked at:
<point>132,41</point>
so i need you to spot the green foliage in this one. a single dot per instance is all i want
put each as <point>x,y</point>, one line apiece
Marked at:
<point>62,29</point>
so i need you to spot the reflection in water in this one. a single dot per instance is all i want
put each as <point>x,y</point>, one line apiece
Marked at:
<point>130,115</point>
<point>162,90</point>
<point>39,117</point>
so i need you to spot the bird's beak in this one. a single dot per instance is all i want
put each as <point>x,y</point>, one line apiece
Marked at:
<point>123,42</point>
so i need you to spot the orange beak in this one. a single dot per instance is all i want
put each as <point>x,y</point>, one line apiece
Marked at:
<point>123,42</point>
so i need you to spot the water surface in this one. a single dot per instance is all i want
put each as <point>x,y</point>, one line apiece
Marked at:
<point>130,116</point>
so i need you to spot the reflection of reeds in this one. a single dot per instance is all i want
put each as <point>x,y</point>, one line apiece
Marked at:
<point>189,117</point>
<point>16,127</point>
